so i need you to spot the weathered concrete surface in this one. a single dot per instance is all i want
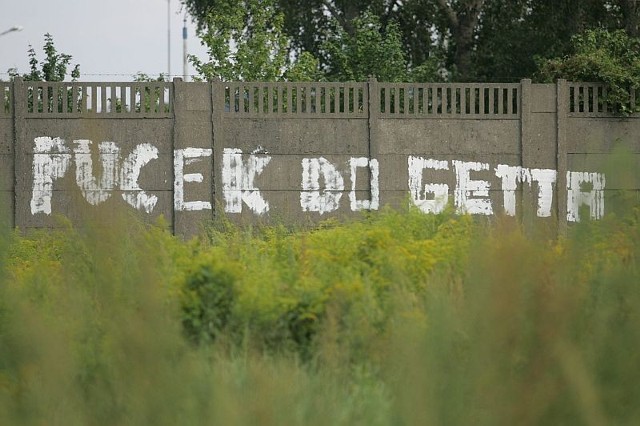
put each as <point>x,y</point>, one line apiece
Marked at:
<point>198,152</point>
<point>287,136</point>
<point>448,136</point>
<point>193,128</point>
<point>601,135</point>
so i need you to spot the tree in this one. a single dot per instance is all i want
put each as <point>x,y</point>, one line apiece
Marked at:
<point>355,57</point>
<point>486,40</point>
<point>319,28</point>
<point>462,18</point>
<point>504,50</point>
<point>245,41</point>
<point>54,67</point>
<point>426,28</point>
<point>610,57</point>
<point>630,14</point>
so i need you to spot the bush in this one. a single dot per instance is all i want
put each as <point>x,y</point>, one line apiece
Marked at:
<point>398,318</point>
<point>207,303</point>
<point>609,57</point>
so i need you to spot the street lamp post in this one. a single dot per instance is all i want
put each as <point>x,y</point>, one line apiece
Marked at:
<point>184,48</point>
<point>12,29</point>
<point>168,40</point>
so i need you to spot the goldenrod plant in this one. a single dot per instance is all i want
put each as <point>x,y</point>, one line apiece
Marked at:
<point>395,318</point>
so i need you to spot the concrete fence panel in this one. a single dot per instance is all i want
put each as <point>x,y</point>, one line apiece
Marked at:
<point>92,145</point>
<point>303,152</point>
<point>302,137</point>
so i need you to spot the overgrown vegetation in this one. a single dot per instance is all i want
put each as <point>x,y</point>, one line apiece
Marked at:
<point>52,68</point>
<point>598,55</point>
<point>245,42</point>
<point>462,40</point>
<point>424,41</point>
<point>397,318</point>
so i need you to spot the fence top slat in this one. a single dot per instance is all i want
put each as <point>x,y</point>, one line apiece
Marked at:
<point>451,85</point>
<point>289,84</point>
<point>584,83</point>
<point>591,94</point>
<point>6,104</point>
<point>92,96</point>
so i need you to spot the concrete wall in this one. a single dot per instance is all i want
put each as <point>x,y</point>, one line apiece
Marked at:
<point>304,152</point>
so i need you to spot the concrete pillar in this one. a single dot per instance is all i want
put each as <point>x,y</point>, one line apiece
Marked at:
<point>562,97</point>
<point>20,152</point>
<point>538,145</point>
<point>193,157</point>
<point>526,139</point>
<point>217,137</point>
<point>373,113</point>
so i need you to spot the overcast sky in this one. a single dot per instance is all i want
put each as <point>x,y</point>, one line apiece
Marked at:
<point>111,39</point>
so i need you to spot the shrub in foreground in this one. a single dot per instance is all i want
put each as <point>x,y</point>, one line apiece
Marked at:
<point>400,318</point>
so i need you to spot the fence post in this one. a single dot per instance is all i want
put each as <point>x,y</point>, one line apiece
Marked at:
<point>526,140</point>
<point>217,143</point>
<point>562,108</point>
<point>192,157</point>
<point>20,99</point>
<point>373,113</point>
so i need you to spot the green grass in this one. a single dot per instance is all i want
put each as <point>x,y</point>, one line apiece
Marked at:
<point>397,318</point>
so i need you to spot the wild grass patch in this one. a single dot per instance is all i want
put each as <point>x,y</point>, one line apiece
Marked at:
<point>397,318</point>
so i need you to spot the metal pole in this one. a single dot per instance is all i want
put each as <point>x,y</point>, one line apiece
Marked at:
<point>168,40</point>
<point>184,48</point>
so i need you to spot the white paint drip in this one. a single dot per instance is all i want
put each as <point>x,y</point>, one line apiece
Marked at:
<point>238,181</point>
<point>466,188</point>
<point>374,202</point>
<point>51,160</point>
<point>440,191</point>
<point>129,174</point>
<point>577,196</point>
<point>182,157</point>
<point>311,198</point>
<point>94,190</point>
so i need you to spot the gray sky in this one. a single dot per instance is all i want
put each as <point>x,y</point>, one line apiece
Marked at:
<point>110,39</point>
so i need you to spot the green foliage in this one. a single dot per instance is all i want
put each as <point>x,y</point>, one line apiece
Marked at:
<point>610,57</point>
<point>395,318</point>
<point>141,77</point>
<point>54,66</point>
<point>319,29</point>
<point>480,40</point>
<point>245,41</point>
<point>207,303</point>
<point>290,284</point>
<point>88,327</point>
<point>512,34</point>
<point>306,67</point>
<point>152,95</point>
<point>370,51</point>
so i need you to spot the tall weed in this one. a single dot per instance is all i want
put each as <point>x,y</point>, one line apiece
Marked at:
<point>396,318</point>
